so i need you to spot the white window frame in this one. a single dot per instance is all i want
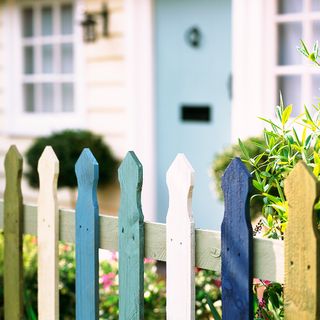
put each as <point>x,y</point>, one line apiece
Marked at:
<point>254,59</point>
<point>18,121</point>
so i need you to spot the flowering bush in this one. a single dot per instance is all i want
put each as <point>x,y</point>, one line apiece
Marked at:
<point>154,285</point>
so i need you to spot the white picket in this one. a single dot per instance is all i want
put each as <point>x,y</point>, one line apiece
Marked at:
<point>48,235</point>
<point>180,241</point>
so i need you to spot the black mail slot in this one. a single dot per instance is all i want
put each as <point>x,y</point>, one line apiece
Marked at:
<point>198,113</point>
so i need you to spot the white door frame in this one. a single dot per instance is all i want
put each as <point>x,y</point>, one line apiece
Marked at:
<point>139,51</point>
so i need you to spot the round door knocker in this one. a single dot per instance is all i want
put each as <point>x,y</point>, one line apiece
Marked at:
<point>193,37</point>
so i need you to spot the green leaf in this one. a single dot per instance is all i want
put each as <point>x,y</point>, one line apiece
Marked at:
<point>286,114</point>
<point>213,310</point>
<point>244,150</point>
<point>257,185</point>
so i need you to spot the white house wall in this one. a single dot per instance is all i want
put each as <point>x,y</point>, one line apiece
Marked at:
<point>104,93</point>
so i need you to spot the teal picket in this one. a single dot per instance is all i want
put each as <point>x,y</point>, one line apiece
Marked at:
<point>236,244</point>
<point>131,240</point>
<point>87,238</point>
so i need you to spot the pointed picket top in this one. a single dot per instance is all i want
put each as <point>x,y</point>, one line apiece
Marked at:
<point>48,236</point>
<point>236,243</point>
<point>87,168</point>
<point>236,171</point>
<point>13,226</point>
<point>303,172</point>
<point>131,240</point>
<point>87,237</point>
<point>302,246</point>
<point>130,178</point>
<point>180,182</point>
<point>49,165</point>
<point>180,241</point>
<point>13,164</point>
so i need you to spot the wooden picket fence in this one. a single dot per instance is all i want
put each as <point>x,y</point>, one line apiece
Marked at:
<point>234,251</point>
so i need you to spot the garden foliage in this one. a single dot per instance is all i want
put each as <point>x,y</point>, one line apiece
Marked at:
<point>154,285</point>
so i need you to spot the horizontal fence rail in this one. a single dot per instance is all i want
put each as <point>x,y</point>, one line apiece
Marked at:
<point>268,254</point>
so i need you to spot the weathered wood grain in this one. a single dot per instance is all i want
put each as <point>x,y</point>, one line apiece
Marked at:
<point>180,241</point>
<point>48,237</point>
<point>302,246</point>
<point>236,244</point>
<point>268,253</point>
<point>13,229</point>
<point>131,240</point>
<point>87,238</point>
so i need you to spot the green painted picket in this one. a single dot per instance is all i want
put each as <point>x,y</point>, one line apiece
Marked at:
<point>136,239</point>
<point>13,271</point>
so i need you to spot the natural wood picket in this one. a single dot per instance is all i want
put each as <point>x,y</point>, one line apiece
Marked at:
<point>13,228</point>
<point>87,238</point>
<point>48,236</point>
<point>236,244</point>
<point>302,246</point>
<point>180,241</point>
<point>131,240</point>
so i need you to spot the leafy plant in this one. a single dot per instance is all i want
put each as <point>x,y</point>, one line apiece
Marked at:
<point>287,142</point>
<point>68,145</point>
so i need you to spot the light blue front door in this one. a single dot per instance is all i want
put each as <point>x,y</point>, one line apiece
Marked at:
<point>193,66</point>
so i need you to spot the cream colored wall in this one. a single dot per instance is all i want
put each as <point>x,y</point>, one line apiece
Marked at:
<point>104,99</point>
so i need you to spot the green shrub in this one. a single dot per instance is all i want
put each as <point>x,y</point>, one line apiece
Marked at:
<point>68,145</point>
<point>254,146</point>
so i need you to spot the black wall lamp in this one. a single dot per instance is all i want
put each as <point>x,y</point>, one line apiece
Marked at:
<point>90,22</point>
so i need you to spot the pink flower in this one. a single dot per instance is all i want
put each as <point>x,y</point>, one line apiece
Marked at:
<point>107,280</point>
<point>217,283</point>
<point>66,248</point>
<point>148,260</point>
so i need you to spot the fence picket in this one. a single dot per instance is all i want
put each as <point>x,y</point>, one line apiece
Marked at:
<point>302,246</point>
<point>131,240</point>
<point>180,241</point>
<point>236,244</point>
<point>13,225</point>
<point>48,236</point>
<point>87,237</point>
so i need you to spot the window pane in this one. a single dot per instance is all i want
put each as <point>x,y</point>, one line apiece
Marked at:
<point>28,59</point>
<point>67,19</point>
<point>290,87</point>
<point>315,5</point>
<point>47,58</point>
<point>315,89</point>
<point>67,97</point>
<point>29,97</point>
<point>27,22</point>
<point>67,58</point>
<point>289,35</point>
<point>47,97</point>
<point>316,31</point>
<point>46,21</point>
<point>290,6</point>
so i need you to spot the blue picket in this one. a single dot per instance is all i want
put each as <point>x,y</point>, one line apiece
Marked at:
<point>87,238</point>
<point>236,244</point>
<point>131,240</point>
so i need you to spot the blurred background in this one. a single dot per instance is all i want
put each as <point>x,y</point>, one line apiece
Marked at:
<point>155,76</point>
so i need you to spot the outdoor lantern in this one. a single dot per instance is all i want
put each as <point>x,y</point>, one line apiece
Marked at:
<point>90,22</point>
<point>89,28</point>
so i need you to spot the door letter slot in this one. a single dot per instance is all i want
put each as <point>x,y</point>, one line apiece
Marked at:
<point>196,113</point>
